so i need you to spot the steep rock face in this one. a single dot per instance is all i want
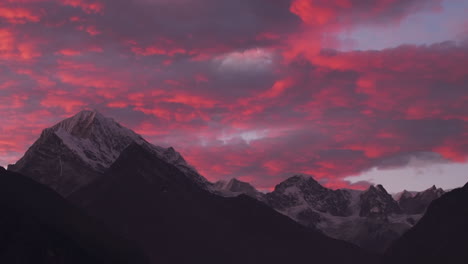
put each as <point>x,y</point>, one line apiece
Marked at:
<point>39,226</point>
<point>441,236</point>
<point>377,203</point>
<point>79,149</point>
<point>300,191</point>
<point>50,162</point>
<point>235,187</point>
<point>417,203</point>
<point>176,221</point>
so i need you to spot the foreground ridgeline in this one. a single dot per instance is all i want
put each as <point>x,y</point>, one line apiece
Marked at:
<point>150,195</point>
<point>176,221</point>
<point>441,236</point>
<point>39,226</point>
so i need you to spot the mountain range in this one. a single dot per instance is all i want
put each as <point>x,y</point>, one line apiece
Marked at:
<point>371,219</point>
<point>150,195</point>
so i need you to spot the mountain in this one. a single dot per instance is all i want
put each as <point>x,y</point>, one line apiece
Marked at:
<point>418,202</point>
<point>176,221</point>
<point>376,202</point>
<point>441,236</point>
<point>235,187</point>
<point>403,194</point>
<point>150,195</point>
<point>305,200</point>
<point>371,219</point>
<point>78,150</point>
<point>39,226</point>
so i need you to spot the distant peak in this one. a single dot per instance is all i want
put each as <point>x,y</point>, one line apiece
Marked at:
<point>235,180</point>
<point>83,123</point>
<point>377,188</point>
<point>303,182</point>
<point>87,111</point>
<point>301,177</point>
<point>431,189</point>
<point>88,115</point>
<point>407,193</point>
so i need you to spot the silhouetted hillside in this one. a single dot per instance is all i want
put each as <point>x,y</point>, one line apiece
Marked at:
<point>154,203</point>
<point>38,226</point>
<point>441,236</point>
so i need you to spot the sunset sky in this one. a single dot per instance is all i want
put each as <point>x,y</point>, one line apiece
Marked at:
<point>350,91</point>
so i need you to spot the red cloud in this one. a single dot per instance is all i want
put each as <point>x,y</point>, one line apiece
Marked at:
<point>256,99</point>
<point>316,15</point>
<point>13,48</point>
<point>346,12</point>
<point>62,100</point>
<point>154,50</point>
<point>15,15</point>
<point>86,5</point>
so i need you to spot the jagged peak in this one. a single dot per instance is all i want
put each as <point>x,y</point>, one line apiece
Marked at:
<point>432,191</point>
<point>300,178</point>
<point>233,180</point>
<point>406,193</point>
<point>303,182</point>
<point>232,183</point>
<point>377,188</point>
<point>85,122</point>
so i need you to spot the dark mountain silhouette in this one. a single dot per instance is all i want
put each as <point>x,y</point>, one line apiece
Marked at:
<point>441,236</point>
<point>176,221</point>
<point>38,226</point>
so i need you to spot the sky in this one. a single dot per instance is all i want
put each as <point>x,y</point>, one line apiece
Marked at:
<point>351,92</point>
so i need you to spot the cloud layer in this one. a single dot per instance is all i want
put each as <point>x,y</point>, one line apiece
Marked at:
<point>254,89</point>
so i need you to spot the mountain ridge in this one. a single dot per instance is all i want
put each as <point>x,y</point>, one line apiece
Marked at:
<point>155,204</point>
<point>84,146</point>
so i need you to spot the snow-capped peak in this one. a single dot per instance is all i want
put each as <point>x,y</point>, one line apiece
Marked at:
<point>300,182</point>
<point>236,187</point>
<point>96,141</point>
<point>300,191</point>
